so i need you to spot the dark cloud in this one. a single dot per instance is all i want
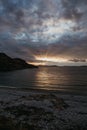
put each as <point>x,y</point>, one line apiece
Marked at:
<point>78,60</point>
<point>74,9</point>
<point>44,27</point>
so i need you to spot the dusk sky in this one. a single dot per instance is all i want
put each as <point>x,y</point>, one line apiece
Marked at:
<point>48,32</point>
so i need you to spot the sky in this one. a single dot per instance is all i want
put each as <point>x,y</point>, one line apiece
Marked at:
<point>45,32</point>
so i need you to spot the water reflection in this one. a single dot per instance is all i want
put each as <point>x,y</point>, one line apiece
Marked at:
<point>43,79</point>
<point>61,78</point>
<point>48,79</point>
<point>58,78</point>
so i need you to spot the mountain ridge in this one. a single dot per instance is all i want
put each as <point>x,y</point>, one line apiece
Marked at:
<point>9,64</point>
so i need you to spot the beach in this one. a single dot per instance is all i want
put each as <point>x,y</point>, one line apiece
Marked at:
<point>42,110</point>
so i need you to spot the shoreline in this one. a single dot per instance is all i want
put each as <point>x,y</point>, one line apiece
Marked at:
<point>58,91</point>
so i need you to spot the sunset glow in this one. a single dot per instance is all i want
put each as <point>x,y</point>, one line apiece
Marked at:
<point>51,59</point>
<point>37,63</point>
<point>46,60</point>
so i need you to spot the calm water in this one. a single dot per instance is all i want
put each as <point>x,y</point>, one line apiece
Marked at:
<point>72,79</point>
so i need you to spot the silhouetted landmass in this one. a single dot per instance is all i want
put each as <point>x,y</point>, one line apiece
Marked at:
<point>8,64</point>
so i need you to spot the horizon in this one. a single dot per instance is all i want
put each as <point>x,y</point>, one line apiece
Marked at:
<point>45,32</point>
<point>45,65</point>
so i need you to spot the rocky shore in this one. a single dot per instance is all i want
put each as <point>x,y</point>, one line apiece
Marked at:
<point>35,110</point>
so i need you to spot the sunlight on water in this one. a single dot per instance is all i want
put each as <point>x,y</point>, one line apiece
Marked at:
<point>43,79</point>
<point>49,78</point>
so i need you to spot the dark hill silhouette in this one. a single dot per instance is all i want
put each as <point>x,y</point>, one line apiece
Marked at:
<point>8,64</point>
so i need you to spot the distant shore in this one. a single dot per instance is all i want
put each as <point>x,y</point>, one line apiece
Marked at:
<point>40,109</point>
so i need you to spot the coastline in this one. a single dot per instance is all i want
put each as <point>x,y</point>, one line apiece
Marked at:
<point>44,110</point>
<point>58,91</point>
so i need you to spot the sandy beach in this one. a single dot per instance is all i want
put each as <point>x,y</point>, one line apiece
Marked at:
<point>42,110</point>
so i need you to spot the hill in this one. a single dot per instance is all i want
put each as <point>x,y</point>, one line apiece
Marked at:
<point>8,64</point>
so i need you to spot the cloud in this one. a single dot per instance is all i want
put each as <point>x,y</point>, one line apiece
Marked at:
<point>44,27</point>
<point>78,60</point>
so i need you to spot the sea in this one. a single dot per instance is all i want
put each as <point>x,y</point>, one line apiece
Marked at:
<point>60,79</point>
